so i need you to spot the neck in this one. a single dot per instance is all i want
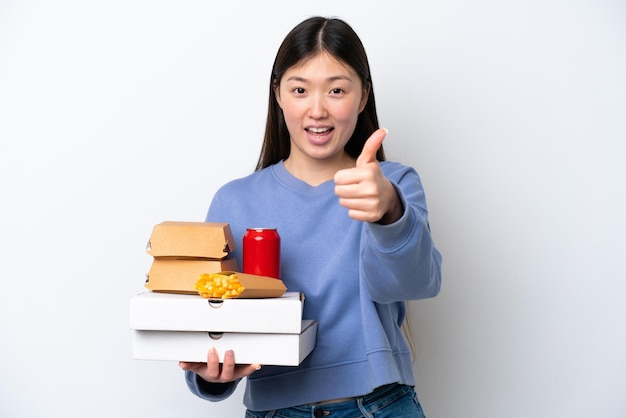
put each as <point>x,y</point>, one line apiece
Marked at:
<point>316,172</point>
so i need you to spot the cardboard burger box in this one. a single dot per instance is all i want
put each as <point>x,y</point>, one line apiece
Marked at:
<point>249,348</point>
<point>181,275</point>
<point>184,250</point>
<point>179,239</point>
<point>179,327</point>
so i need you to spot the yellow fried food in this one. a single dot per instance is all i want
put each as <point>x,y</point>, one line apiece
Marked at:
<point>219,286</point>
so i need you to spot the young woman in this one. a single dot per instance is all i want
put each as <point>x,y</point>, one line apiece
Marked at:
<point>354,233</point>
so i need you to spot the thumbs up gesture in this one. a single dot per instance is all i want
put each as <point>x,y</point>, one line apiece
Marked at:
<point>364,190</point>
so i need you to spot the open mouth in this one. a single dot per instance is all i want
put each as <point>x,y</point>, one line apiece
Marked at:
<point>319,131</point>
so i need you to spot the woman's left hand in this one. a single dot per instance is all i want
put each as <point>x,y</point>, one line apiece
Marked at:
<point>365,191</point>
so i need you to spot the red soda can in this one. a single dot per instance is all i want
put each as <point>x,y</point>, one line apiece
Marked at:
<point>261,252</point>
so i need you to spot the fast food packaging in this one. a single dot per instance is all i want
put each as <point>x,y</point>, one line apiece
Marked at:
<point>249,348</point>
<point>180,275</point>
<point>182,251</point>
<point>179,312</point>
<point>180,327</point>
<point>262,323</point>
<point>179,239</point>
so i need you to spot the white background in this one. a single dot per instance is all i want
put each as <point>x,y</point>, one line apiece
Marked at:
<point>117,115</point>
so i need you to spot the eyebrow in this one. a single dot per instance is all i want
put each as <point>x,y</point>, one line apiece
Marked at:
<point>331,79</point>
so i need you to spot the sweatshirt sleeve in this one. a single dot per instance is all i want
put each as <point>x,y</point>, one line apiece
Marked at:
<point>400,261</point>
<point>209,391</point>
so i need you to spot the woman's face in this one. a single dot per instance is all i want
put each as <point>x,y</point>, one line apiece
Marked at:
<point>321,99</point>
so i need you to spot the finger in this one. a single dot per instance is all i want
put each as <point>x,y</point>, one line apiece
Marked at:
<point>190,366</point>
<point>371,146</point>
<point>361,215</point>
<point>213,364</point>
<point>228,366</point>
<point>247,370</point>
<point>347,176</point>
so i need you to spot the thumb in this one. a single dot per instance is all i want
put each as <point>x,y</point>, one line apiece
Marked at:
<point>371,146</point>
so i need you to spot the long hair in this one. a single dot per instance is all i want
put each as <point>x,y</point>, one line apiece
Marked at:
<point>306,40</point>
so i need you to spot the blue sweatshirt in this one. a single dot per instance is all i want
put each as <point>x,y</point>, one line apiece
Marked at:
<point>355,276</point>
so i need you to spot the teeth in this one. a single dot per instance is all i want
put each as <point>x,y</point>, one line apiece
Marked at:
<point>319,130</point>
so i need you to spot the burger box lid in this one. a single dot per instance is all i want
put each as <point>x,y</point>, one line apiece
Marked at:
<point>181,275</point>
<point>177,312</point>
<point>191,239</point>
<point>249,348</point>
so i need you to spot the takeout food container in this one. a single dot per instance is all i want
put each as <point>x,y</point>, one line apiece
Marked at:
<point>176,327</point>
<point>256,286</point>
<point>249,348</point>
<point>152,311</point>
<point>180,275</point>
<point>179,239</point>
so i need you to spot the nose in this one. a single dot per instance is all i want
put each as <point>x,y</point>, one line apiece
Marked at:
<point>317,107</point>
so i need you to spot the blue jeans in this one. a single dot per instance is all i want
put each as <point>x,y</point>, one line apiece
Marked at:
<point>390,401</point>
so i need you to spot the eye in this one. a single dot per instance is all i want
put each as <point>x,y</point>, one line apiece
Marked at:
<point>336,91</point>
<point>299,90</point>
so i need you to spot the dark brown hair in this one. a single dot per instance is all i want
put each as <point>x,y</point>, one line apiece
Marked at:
<point>306,40</point>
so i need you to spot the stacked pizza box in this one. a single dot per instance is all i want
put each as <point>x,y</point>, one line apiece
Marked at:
<point>171,321</point>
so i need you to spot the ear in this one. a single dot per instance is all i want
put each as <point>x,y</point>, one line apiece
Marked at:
<point>366,93</point>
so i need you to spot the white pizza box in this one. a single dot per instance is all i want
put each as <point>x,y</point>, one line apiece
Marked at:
<point>157,311</point>
<point>249,348</point>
